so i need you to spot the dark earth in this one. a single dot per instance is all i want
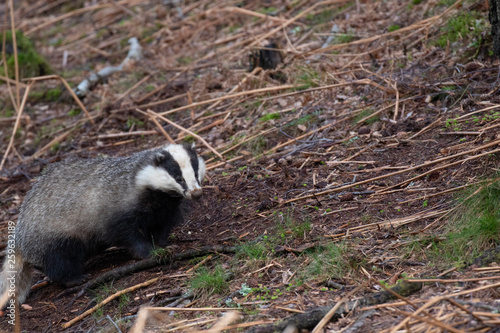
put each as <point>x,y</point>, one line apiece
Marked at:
<point>315,171</point>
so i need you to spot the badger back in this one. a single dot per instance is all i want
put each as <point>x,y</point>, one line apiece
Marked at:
<point>175,169</point>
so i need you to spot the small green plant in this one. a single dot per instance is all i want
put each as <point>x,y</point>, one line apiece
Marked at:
<point>257,145</point>
<point>123,302</point>
<point>189,138</point>
<point>29,61</point>
<point>307,78</point>
<point>74,112</point>
<point>53,94</point>
<point>184,60</point>
<point>253,251</point>
<point>134,121</point>
<point>268,11</point>
<point>365,113</point>
<point>475,226</point>
<point>270,116</point>
<point>466,24</point>
<point>329,262</point>
<point>453,123</point>
<point>393,27</point>
<point>344,38</point>
<point>207,282</point>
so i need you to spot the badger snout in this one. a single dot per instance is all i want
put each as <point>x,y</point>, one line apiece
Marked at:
<point>196,194</point>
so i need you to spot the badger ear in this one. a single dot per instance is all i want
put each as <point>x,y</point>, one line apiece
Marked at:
<point>193,145</point>
<point>158,159</point>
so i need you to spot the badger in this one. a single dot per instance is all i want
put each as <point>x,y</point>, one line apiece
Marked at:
<point>80,207</point>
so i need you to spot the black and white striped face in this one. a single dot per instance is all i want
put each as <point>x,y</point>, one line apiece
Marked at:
<point>175,168</point>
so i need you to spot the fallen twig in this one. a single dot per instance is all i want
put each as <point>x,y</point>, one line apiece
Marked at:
<point>134,54</point>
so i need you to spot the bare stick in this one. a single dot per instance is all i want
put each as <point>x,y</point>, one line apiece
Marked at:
<point>162,130</point>
<point>144,79</point>
<point>16,124</point>
<point>14,46</point>
<point>255,14</point>
<point>493,143</point>
<point>236,87</point>
<point>362,81</point>
<point>285,24</point>
<point>142,106</point>
<point>243,93</point>
<point>109,299</point>
<point>329,315</point>
<point>6,70</point>
<point>427,22</point>
<point>72,13</point>
<point>186,131</point>
<point>77,100</point>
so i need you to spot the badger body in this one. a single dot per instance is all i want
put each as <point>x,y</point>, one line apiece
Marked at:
<point>79,207</point>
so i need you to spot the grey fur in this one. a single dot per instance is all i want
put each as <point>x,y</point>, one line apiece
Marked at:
<point>91,204</point>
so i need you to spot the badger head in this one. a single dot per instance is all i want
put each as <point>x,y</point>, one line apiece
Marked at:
<point>174,169</point>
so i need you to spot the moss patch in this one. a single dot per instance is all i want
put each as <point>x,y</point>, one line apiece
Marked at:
<point>30,62</point>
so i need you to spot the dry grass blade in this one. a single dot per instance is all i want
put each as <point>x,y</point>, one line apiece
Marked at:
<point>243,93</point>
<point>73,13</point>
<point>329,315</point>
<point>154,114</point>
<point>72,93</point>
<point>14,46</point>
<point>16,124</point>
<point>107,300</point>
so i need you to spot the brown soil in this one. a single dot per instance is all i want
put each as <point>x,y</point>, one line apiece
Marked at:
<point>202,48</point>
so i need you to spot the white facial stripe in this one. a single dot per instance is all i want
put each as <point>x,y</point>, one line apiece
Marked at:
<point>181,156</point>
<point>158,179</point>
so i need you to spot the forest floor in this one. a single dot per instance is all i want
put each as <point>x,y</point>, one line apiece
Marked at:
<point>368,156</point>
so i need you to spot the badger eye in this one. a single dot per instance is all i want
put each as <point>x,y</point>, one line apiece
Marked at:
<point>179,179</point>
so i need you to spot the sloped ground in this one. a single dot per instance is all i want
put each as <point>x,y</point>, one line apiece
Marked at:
<point>339,167</point>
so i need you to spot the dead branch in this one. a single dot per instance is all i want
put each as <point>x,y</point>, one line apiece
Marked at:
<point>134,54</point>
<point>141,265</point>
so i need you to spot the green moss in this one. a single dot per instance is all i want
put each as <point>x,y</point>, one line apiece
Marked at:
<point>466,25</point>
<point>74,112</point>
<point>53,94</point>
<point>393,27</point>
<point>268,11</point>
<point>208,282</point>
<point>30,62</point>
<point>365,113</point>
<point>270,116</point>
<point>474,228</point>
<point>184,60</point>
<point>307,78</point>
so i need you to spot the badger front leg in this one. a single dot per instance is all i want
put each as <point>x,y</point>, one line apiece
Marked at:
<point>141,246</point>
<point>162,235</point>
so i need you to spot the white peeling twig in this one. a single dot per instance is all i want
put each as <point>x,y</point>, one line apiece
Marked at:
<point>134,54</point>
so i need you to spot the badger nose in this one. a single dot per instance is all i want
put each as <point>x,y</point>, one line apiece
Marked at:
<point>196,194</point>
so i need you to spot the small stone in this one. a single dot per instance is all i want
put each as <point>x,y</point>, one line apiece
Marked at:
<point>282,161</point>
<point>346,196</point>
<point>363,130</point>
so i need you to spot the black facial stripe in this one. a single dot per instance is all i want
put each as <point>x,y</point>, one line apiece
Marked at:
<point>173,168</point>
<point>194,161</point>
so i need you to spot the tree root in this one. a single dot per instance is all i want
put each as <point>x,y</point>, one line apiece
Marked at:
<point>143,265</point>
